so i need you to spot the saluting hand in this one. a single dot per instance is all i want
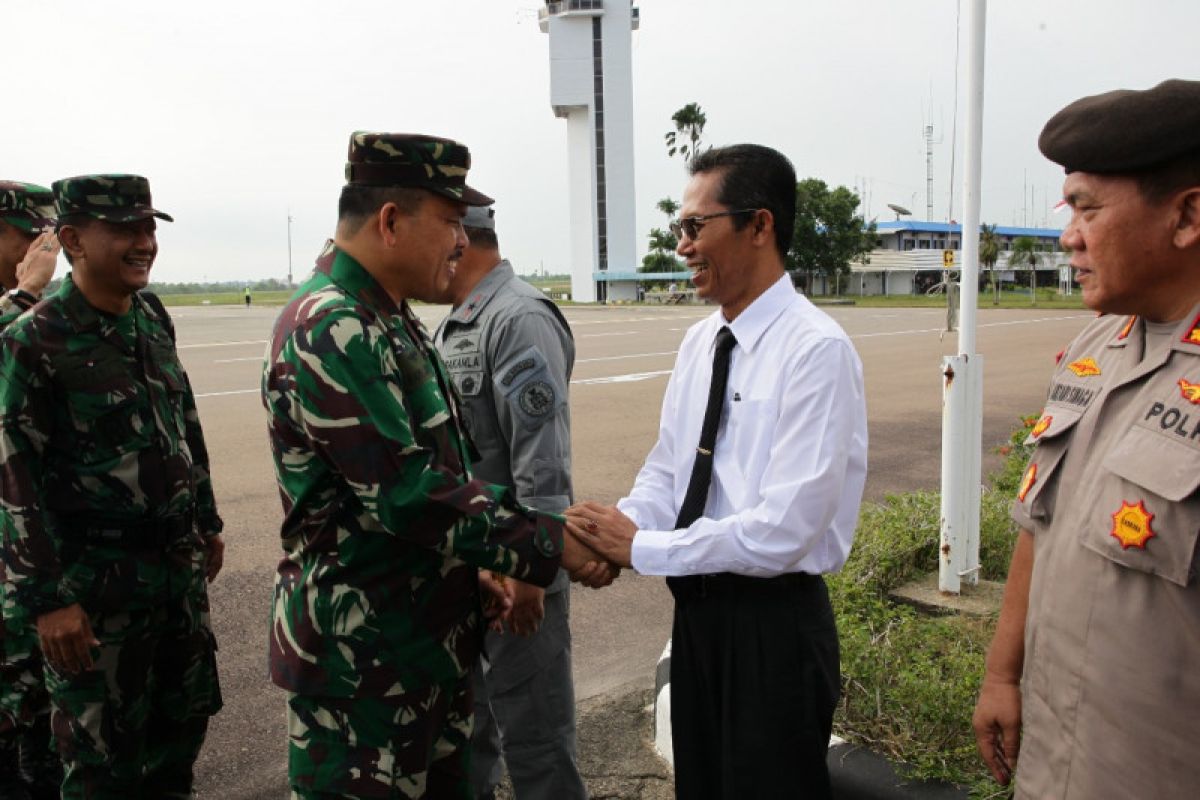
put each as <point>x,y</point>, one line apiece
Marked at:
<point>66,639</point>
<point>37,268</point>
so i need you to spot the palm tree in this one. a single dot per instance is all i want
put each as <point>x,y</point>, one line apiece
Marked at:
<point>1025,253</point>
<point>989,254</point>
<point>689,125</point>
<point>668,207</point>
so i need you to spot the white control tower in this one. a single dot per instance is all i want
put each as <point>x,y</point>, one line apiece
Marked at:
<point>591,86</point>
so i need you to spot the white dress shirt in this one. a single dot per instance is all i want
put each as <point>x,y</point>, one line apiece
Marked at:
<point>790,459</point>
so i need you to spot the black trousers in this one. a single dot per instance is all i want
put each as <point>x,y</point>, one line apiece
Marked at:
<point>755,679</point>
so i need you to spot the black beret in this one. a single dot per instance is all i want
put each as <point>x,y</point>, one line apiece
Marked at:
<point>1125,131</point>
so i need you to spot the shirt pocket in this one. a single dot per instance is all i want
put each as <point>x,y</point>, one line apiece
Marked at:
<point>753,425</point>
<point>1147,516</point>
<point>104,419</point>
<point>1039,483</point>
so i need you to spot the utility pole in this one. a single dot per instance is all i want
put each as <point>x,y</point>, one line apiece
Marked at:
<point>289,216</point>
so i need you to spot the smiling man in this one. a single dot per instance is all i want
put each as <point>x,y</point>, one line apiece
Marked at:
<point>105,476</point>
<point>378,615</point>
<point>748,497</point>
<point>1091,677</point>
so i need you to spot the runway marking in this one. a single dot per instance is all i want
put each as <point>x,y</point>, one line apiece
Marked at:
<point>983,325</point>
<point>634,377</point>
<point>577,323</point>
<point>630,378</point>
<point>219,344</point>
<point>231,360</point>
<point>618,333</point>
<point>621,358</point>
<point>226,394</point>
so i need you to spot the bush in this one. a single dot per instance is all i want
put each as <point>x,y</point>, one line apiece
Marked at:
<point>909,681</point>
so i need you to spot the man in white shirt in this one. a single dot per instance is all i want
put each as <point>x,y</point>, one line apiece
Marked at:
<point>744,524</point>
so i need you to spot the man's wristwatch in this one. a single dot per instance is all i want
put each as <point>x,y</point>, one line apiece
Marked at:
<point>22,298</point>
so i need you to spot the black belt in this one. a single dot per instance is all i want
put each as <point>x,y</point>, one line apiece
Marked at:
<point>145,533</point>
<point>688,586</point>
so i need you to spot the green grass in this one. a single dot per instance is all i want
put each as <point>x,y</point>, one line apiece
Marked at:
<point>909,680</point>
<point>1047,298</point>
<point>275,298</point>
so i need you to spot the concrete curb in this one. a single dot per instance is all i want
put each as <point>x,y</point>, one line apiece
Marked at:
<point>856,773</point>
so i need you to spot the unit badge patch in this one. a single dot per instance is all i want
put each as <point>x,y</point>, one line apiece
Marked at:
<point>1190,391</point>
<point>537,398</point>
<point>1084,367</point>
<point>1041,426</point>
<point>1027,481</point>
<point>1131,525</point>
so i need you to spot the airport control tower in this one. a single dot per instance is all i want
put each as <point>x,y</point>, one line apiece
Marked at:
<point>591,86</point>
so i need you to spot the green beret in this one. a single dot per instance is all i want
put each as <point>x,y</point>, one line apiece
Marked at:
<point>115,198</point>
<point>1125,131</point>
<point>27,206</point>
<point>407,159</point>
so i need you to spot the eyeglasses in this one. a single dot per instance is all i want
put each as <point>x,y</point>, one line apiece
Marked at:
<point>692,225</point>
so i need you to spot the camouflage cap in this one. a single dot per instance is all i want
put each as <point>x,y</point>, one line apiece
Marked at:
<point>1125,131</point>
<point>27,206</point>
<point>115,198</point>
<point>409,159</point>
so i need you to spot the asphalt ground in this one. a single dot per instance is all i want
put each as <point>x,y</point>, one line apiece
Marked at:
<point>624,355</point>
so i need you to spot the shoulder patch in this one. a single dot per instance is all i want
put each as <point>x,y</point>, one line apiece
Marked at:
<point>537,398</point>
<point>513,372</point>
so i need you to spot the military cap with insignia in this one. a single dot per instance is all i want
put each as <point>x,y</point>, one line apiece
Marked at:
<point>412,160</point>
<point>113,198</point>
<point>1125,131</point>
<point>27,206</point>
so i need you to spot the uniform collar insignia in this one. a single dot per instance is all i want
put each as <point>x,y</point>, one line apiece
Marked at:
<point>1190,391</point>
<point>1084,367</point>
<point>1124,334</point>
<point>1041,426</point>
<point>1027,482</point>
<point>1192,334</point>
<point>1131,525</point>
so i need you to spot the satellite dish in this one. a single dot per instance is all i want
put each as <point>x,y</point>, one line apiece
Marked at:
<point>901,211</point>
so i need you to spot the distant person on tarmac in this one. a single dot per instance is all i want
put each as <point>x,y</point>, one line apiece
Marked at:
<point>247,297</point>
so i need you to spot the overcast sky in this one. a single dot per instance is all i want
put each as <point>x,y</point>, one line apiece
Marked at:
<point>240,111</point>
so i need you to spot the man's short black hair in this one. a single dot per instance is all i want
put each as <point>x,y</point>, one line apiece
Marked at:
<point>1157,184</point>
<point>482,237</point>
<point>358,203</point>
<point>75,221</point>
<point>754,176</point>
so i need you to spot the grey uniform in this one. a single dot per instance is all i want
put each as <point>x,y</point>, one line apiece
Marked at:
<point>510,353</point>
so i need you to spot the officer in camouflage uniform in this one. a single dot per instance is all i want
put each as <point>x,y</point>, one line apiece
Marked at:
<point>378,616</point>
<point>28,252</point>
<point>114,526</point>
<point>510,353</point>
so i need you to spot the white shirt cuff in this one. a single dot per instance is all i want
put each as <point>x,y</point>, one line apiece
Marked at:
<point>648,554</point>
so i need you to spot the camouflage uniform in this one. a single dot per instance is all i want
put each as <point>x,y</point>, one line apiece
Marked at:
<point>377,616</point>
<point>105,476</point>
<point>24,705</point>
<point>510,353</point>
<point>29,208</point>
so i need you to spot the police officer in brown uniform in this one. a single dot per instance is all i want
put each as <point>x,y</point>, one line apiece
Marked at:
<point>1094,672</point>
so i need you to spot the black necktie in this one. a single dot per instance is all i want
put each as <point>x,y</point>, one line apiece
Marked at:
<point>697,491</point>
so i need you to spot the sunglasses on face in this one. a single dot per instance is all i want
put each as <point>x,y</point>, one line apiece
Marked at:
<point>691,226</point>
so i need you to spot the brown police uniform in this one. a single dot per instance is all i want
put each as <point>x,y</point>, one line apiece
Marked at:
<point>1111,684</point>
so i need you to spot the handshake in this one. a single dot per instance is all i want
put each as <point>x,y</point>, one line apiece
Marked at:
<point>597,543</point>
